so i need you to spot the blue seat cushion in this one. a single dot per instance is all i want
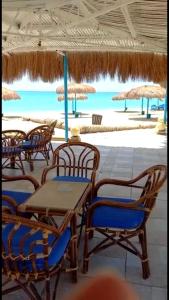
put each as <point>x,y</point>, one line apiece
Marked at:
<point>72,178</point>
<point>112,217</point>
<point>29,144</point>
<point>11,150</point>
<point>58,246</point>
<point>19,197</point>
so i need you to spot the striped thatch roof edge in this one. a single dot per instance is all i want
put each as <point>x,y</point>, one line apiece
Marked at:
<point>85,66</point>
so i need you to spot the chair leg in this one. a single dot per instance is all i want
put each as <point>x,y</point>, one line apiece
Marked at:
<point>85,252</point>
<point>73,258</point>
<point>145,262</point>
<point>91,234</point>
<point>34,291</point>
<point>47,288</point>
<point>30,161</point>
<point>56,284</point>
<point>22,167</point>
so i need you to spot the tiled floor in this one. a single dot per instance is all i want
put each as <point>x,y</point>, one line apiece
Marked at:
<point>125,159</point>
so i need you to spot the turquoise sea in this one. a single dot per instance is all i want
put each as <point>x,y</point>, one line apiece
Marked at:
<point>34,101</point>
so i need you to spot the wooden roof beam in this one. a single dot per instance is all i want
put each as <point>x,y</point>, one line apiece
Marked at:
<point>98,13</point>
<point>11,5</point>
<point>128,21</point>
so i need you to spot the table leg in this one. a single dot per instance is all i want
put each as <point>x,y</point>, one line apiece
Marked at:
<point>74,258</point>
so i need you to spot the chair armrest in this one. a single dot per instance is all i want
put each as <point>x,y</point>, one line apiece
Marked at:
<point>11,201</point>
<point>67,218</point>
<point>127,183</point>
<point>34,181</point>
<point>45,171</point>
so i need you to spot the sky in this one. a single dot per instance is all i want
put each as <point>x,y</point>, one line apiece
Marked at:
<point>103,85</point>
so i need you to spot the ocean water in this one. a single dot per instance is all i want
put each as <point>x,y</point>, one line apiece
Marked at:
<point>34,101</point>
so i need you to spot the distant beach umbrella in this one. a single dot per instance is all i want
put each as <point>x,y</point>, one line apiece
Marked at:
<point>8,94</point>
<point>123,96</point>
<point>76,88</point>
<point>71,97</point>
<point>149,92</point>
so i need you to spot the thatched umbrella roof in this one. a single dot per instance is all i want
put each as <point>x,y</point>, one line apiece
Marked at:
<point>127,38</point>
<point>76,88</point>
<point>84,66</point>
<point>123,96</point>
<point>147,91</point>
<point>72,97</point>
<point>8,94</point>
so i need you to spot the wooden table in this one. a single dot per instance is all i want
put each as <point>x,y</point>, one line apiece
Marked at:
<point>57,196</point>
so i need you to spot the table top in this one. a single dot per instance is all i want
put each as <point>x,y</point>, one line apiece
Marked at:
<point>56,195</point>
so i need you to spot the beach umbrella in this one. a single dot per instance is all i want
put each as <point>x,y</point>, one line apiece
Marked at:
<point>149,92</point>
<point>76,88</point>
<point>71,97</point>
<point>8,94</point>
<point>123,96</point>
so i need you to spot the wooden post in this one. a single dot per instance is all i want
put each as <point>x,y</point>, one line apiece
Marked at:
<point>65,63</point>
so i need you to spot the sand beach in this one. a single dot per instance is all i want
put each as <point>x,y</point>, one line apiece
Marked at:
<point>110,118</point>
<point>127,125</point>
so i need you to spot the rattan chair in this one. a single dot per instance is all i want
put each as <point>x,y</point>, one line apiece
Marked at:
<point>52,130</point>
<point>12,141</point>
<point>33,251</point>
<point>121,219</point>
<point>74,161</point>
<point>37,142</point>
<point>18,196</point>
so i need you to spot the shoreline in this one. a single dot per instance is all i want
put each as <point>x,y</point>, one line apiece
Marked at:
<point>111,120</point>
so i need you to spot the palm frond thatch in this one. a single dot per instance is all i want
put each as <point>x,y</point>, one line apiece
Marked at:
<point>85,66</point>
<point>8,94</point>
<point>147,91</point>
<point>72,97</point>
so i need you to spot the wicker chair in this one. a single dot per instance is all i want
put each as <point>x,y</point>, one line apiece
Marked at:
<point>74,161</point>
<point>33,251</point>
<point>12,141</point>
<point>37,142</point>
<point>52,130</point>
<point>18,196</point>
<point>121,219</point>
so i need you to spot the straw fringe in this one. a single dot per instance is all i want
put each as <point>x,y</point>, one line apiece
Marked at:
<point>85,66</point>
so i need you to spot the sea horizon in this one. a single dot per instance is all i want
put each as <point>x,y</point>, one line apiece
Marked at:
<point>36,101</point>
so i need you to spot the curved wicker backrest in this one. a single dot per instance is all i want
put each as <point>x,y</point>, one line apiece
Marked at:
<point>154,177</point>
<point>76,159</point>
<point>52,126</point>
<point>18,250</point>
<point>12,137</point>
<point>40,135</point>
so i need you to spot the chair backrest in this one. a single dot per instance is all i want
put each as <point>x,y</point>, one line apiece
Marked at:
<point>76,159</point>
<point>154,178</point>
<point>52,126</point>
<point>39,135</point>
<point>12,137</point>
<point>25,247</point>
